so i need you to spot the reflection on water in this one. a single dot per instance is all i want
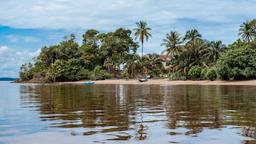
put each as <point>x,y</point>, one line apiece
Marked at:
<point>140,114</point>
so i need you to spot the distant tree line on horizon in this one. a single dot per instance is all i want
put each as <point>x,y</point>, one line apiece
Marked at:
<point>114,55</point>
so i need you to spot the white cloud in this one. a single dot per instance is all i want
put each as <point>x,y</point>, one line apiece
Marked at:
<point>27,39</point>
<point>30,39</point>
<point>11,60</point>
<point>27,53</point>
<point>215,19</point>
<point>105,15</point>
<point>12,38</point>
<point>108,13</point>
<point>3,49</point>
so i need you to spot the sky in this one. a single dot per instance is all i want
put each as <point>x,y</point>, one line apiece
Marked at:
<point>28,25</point>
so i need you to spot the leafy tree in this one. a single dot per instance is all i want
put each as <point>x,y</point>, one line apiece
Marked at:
<point>56,71</point>
<point>68,48</point>
<point>113,54</point>
<point>90,37</point>
<point>114,48</point>
<point>90,50</point>
<point>26,72</point>
<point>237,64</point>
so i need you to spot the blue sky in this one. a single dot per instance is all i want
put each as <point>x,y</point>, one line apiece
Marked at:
<point>28,25</point>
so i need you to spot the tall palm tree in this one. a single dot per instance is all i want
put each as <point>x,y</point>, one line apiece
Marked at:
<point>191,35</point>
<point>142,32</point>
<point>247,31</point>
<point>172,43</point>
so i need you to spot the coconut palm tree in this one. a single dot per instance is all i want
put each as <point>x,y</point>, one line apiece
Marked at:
<point>132,65</point>
<point>215,48</point>
<point>153,64</point>
<point>172,43</point>
<point>196,51</point>
<point>192,54</point>
<point>191,35</point>
<point>142,32</point>
<point>247,31</point>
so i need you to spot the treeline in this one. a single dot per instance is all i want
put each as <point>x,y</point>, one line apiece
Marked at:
<point>192,57</point>
<point>114,55</point>
<point>101,56</point>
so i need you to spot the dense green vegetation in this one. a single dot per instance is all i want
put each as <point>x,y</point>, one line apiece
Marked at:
<point>114,55</point>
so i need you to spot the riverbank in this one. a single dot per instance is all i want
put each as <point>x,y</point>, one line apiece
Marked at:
<point>168,82</point>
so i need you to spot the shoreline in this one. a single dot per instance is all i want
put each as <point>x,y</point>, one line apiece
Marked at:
<point>167,82</point>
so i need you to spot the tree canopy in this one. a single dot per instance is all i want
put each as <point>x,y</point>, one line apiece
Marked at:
<point>114,55</point>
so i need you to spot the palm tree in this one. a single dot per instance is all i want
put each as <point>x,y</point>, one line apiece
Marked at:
<point>191,35</point>
<point>142,32</point>
<point>191,55</point>
<point>153,64</point>
<point>247,31</point>
<point>196,50</point>
<point>215,48</point>
<point>132,64</point>
<point>172,43</point>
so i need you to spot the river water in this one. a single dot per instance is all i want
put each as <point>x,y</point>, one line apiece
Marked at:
<point>126,114</point>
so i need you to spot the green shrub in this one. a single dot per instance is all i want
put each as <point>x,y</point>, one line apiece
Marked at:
<point>56,71</point>
<point>124,75</point>
<point>195,72</point>
<point>237,64</point>
<point>83,74</point>
<point>26,72</point>
<point>108,75</point>
<point>99,74</point>
<point>177,76</point>
<point>204,74</point>
<point>211,74</point>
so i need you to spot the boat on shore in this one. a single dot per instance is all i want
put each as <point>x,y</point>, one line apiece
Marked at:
<point>89,83</point>
<point>143,80</point>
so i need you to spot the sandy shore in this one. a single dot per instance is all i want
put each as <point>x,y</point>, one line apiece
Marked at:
<point>167,82</point>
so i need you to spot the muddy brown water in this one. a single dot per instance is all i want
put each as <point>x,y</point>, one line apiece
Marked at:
<point>127,114</point>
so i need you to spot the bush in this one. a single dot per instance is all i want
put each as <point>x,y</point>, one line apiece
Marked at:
<point>211,74</point>
<point>124,75</point>
<point>26,72</point>
<point>99,74</point>
<point>195,72</point>
<point>177,76</point>
<point>237,64</point>
<point>204,74</point>
<point>56,71</point>
<point>83,74</point>
<point>69,70</point>
<point>108,75</point>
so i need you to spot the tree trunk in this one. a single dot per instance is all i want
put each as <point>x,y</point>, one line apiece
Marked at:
<point>142,59</point>
<point>142,50</point>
